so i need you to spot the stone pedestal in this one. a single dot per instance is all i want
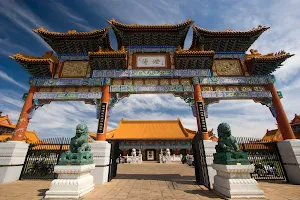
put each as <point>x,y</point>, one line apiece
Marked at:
<point>73,181</point>
<point>290,156</point>
<point>12,157</point>
<point>101,156</point>
<point>234,181</point>
<point>210,149</point>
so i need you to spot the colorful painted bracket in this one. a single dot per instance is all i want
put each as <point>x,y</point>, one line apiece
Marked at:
<point>148,73</point>
<point>236,94</point>
<point>67,96</point>
<point>46,82</point>
<point>157,88</point>
<point>251,80</point>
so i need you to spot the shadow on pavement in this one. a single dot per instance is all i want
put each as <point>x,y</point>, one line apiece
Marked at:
<point>206,193</point>
<point>159,177</point>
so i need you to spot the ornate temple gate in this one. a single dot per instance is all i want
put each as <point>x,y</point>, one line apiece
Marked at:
<point>150,59</point>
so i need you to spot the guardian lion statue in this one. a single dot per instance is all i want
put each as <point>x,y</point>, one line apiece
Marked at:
<point>228,151</point>
<point>79,152</point>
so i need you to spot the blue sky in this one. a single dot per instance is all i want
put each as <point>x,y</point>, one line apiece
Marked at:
<point>18,18</point>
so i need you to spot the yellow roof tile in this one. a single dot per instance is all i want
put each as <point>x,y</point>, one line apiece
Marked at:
<point>30,136</point>
<point>150,130</point>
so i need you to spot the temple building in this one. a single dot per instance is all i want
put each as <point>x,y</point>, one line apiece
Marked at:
<point>275,135</point>
<point>7,128</point>
<point>152,136</point>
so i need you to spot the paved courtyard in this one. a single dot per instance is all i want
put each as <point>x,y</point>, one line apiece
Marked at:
<point>146,181</point>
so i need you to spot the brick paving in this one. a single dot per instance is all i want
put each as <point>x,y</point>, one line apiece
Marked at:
<point>146,181</point>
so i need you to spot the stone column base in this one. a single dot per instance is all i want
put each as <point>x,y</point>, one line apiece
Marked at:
<point>234,181</point>
<point>73,181</point>
<point>101,156</point>
<point>290,156</point>
<point>12,157</point>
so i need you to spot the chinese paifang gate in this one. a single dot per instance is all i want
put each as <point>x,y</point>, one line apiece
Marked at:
<point>151,59</point>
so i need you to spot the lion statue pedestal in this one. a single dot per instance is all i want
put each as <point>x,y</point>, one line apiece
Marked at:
<point>233,179</point>
<point>73,169</point>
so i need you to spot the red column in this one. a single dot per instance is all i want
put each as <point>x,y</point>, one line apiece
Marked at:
<point>198,98</point>
<point>23,121</point>
<point>102,128</point>
<point>282,121</point>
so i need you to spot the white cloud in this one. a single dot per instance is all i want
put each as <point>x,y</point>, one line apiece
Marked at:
<point>6,77</point>
<point>22,16</point>
<point>72,16</point>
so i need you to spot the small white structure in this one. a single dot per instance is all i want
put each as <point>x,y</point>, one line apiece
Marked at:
<point>101,156</point>
<point>134,158</point>
<point>290,155</point>
<point>140,156</point>
<point>168,156</point>
<point>234,181</point>
<point>12,158</point>
<point>73,181</point>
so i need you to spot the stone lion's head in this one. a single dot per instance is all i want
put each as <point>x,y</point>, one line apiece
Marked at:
<point>224,130</point>
<point>81,129</point>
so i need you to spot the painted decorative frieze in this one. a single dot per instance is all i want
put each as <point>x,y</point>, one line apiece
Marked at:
<point>70,89</point>
<point>151,82</point>
<point>150,49</point>
<point>58,89</point>
<point>156,144</point>
<point>84,89</point>
<point>233,88</point>
<point>250,80</point>
<point>157,88</point>
<point>207,88</point>
<point>138,82</point>
<point>246,88</point>
<point>128,82</point>
<point>259,88</point>
<point>230,55</point>
<point>95,89</point>
<point>164,81</point>
<point>73,56</point>
<point>45,89</point>
<point>67,95</point>
<point>151,73</point>
<point>42,82</point>
<point>236,94</point>
<point>220,88</point>
<point>117,82</point>
<point>228,67</point>
<point>185,82</point>
<point>74,69</point>
<point>174,82</point>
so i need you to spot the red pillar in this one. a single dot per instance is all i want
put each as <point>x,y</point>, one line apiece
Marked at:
<point>103,119</point>
<point>23,121</point>
<point>281,118</point>
<point>198,98</point>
